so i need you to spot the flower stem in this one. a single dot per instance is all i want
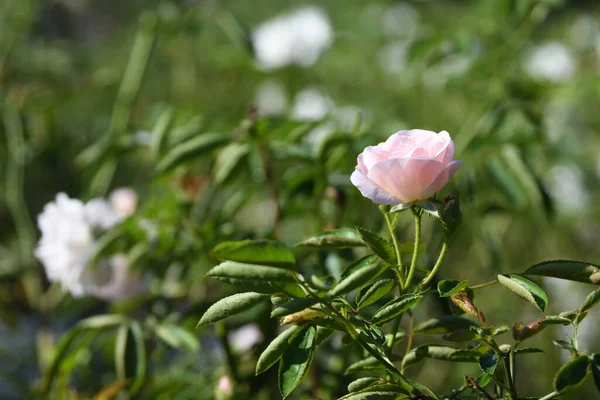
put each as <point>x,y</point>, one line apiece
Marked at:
<point>475,287</point>
<point>399,270</point>
<point>415,256</point>
<point>437,265</point>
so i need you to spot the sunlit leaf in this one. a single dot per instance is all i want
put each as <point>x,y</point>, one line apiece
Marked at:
<point>443,324</point>
<point>250,272</point>
<point>396,307</point>
<point>274,350</point>
<point>229,306</point>
<point>525,289</point>
<point>378,290</point>
<point>357,279</point>
<point>265,252</point>
<point>362,383</point>
<point>378,245</point>
<point>292,306</point>
<point>191,149</point>
<point>337,239</point>
<point>440,352</point>
<point>590,301</point>
<point>447,288</point>
<point>227,160</point>
<point>296,359</point>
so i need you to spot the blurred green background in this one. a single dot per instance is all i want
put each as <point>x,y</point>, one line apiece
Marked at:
<point>83,86</point>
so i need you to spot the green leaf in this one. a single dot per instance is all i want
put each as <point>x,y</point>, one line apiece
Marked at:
<point>177,337</point>
<point>130,354</point>
<point>296,359</point>
<point>140,356</point>
<point>159,132</point>
<point>565,344</point>
<point>590,301</point>
<point>488,363</point>
<point>443,324</point>
<point>572,374</point>
<point>229,306</point>
<point>396,307</point>
<point>527,350</point>
<point>449,287</point>
<point>101,321</point>
<point>274,350</point>
<point>191,149</point>
<point>378,290</point>
<point>378,245</point>
<point>576,271</point>
<point>429,207</point>
<point>121,351</point>
<point>265,252</point>
<point>440,352</point>
<point>358,264</point>
<point>368,364</point>
<point>525,289</point>
<point>357,279</point>
<point>362,383</point>
<point>292,306</point>
<point>374,394</point>
<point>232,270</point>
<point>227,160</point>
<point>337,239</point>
<point>595,366</point>
<point>555,320</point>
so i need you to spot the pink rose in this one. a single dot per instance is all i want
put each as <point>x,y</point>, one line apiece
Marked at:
<point>408,167</point>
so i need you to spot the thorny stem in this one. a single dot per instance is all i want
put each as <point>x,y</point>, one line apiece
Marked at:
<point>415,256</point>
<point>399,270</point>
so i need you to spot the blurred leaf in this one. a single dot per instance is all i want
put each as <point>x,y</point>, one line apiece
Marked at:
<point>525,289</point>
<point>274,350</point>
<point>447,288</point>
<point>488,363</point>
<point>177,337</point>
<point>229,306</point>
<point>396,307</point>
<point>572,374</point>
<point>265,252</point>
<point>565,344</point>
<point>159,132</point>
<point>130,354</point>
<point>383,391</point>
<point>296,359</point>
<point>140,356</point>
<point>378,290</point>
<point>595,366</point>
<point>440,352</point>
<point>590,301</point>
<point>191,149</point>
<point>443,324</point>
<point>250,272</point>
<point>357,279</point>
<point>570,270</point>
<point>378,245</point>
<point>227,160</point>
<point>527,350</point>
<point>368,364</point>
<point>338,239</point>
<point>362,383</point>
<point>293,306</point>
<point>101,321</point>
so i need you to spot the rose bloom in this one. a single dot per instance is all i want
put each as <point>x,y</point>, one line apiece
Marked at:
<point>408,167</point>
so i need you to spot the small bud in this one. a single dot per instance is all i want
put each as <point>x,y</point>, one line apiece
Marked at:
<point>124,201</point>
<point>224,389</point>
<point>520,332</point>
<point>462,301</point>
<point>451,214</point>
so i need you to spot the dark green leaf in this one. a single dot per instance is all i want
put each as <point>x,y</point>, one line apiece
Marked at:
<point>357,279</point>
<point>444,324</point>
<point>378,290</point>
<point>570,270</point>
<point>177,337</point>
<point>296,359</point>
<point>448,288</point>
<point>227,160</point>
<point>374,394</point>
<point>378,245</point>
<point>140,356</point>
<point>595,366</point>
<point>264,252</point>
<point>488,363</point>
<point>274,350</point>
<point>368,364</point>
<point>525,289</point>
<point>572,374</point>
<point>362,383</point>
<point>191,149</point>
<point>565,344</point>
<point>338,239</point>
<point>395,307</point>
<point>440,352</point>
<point>232,270</point>
<point>590,301</point>
<point>159,132</point>
<point>358,264</point>
<point>528,350</point>
<point>555,320</point>
<point>292,306</point>
<point>229,306</point>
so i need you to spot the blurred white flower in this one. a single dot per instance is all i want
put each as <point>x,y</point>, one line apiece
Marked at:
<point>401,20</point>
<point>552,62</point>
<point>123,201</point>
<point>244,338</point>
<point>583,32</point>
<point>311,105</point>
<point>67,245</point>
<point>271,98</point>
<point>297,38</point>
<point>393,57</point>
<point>453,66</point>
<point>566,186</point>
<point>224,389</point>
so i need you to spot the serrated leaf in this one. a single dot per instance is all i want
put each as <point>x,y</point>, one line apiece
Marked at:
<point>572,374</point>
<point>526,289</point>
<point>595,367</point>
<point>274,350</point>
<point>364,365</point>
<point>362,383</point>
<point>357,279</point>
<point>292,306</point>
<point>378,290</point>
<point>358,264</point>
<point>440,352</point>
<point>296,359</point>
<point>590,301</point>
<point>263,252</point>
<point>554,320</point>
<point>396,307</point>
<point>177,337</point>
<point>565,344</point>
<point>229,306</point>
<point>443,324</point>
<point>576,271</point>
<point>337,239</point>
<point>250,272</point>
<point>190,149</point>
<point>378,245</point>
<point>488,363</point>
<point>447,288</point>
<point>227,160</point>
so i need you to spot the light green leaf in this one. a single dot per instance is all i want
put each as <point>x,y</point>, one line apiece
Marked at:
<point>296,359</point>
<point>227,160</point>
<point>274,350</point>
<point>231,270</point>
<point>525,289</point>
<point>362,383</point>
<point>265,252</point>
<point>576,271</point>
<point>358,264</point>
<point>378,245</point>
<point>395,307</point>
<point>102,321</point>
<point>292,306</point>
<point>191,149</point>
<point>229,306</point>
<point>378,290</point>
<point>358,279</point>
<point>555,320</point>
<point>443,324</point>
<point>595,366</point>
<point>440,352</point>
<point>177,337</point>
<point>590,301</point>
<point>337,239</point>
<point>572,374</point>
<point>447,288</point>
<point>159,132</point>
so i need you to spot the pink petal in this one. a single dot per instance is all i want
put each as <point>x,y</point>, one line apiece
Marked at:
<point>371,191</point>
<point>446,152</point>
<point>372,155</point>
<point>442,179</point>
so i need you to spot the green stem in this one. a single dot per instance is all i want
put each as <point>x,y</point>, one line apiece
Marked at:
<point>399,270</point>
<point>550,396</point>
<point>437,265</point>
<point>484,284</point>
<point>411,323</point>
<point>415,256</point>
<point>390,342</point>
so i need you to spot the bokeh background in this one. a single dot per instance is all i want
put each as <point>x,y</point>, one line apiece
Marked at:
<point>86,84</point>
